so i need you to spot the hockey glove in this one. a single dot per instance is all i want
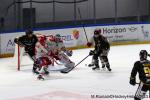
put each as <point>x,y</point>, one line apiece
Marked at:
<point>132,81</point>
<point>89,44</point>
<point>92,52</point>
<point>16,40</point>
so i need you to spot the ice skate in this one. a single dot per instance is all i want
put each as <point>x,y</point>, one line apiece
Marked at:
<point>40,77</point>
<point>108,67</point>
<point>96,67</point>
<point>90,65</point>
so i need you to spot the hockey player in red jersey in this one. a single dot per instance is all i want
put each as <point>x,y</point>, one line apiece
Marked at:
<point>42,59</point>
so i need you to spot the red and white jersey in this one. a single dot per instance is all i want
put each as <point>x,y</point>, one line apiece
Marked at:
<point>40,47</point>
<point>56,47</point>
<point>40,50</point>
<point>49,45</point>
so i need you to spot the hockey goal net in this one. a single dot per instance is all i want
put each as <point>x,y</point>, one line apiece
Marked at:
<point>21,58</point>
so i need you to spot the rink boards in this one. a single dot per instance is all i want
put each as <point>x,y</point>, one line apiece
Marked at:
<point>74,37</point>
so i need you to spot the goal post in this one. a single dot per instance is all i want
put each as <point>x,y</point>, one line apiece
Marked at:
<point>17,58</point>
<point>20,60</point>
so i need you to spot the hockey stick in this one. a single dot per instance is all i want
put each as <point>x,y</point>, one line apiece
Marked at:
<point>68,70</point>
<point>139,83</point>
<point>81,61</point>
<point>83,25</point>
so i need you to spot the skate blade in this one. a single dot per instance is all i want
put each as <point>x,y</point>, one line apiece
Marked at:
<point>96,69</point>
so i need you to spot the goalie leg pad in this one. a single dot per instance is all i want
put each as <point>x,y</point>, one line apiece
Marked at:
<point>69,67</point>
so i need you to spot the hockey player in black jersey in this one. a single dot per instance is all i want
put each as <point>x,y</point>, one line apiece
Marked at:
<point>141,67</point>
<point>28,41</point>
<point>101,50</point>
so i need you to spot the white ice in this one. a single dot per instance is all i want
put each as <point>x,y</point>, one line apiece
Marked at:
<point>80,84</point>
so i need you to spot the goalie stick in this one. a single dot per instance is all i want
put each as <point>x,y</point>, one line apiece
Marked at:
<point>67,70</point>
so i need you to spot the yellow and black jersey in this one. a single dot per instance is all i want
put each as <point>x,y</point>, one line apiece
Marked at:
<point>143,68</point>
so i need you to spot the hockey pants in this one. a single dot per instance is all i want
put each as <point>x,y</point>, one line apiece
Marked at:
<point>66,61</point>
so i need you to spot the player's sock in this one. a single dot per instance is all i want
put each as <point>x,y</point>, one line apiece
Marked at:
<point>34,70</point>
<point>103,65</point>
<point>46,72</point>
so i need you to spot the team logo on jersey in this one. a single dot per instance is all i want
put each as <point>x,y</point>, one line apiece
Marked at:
<point>76,34</point>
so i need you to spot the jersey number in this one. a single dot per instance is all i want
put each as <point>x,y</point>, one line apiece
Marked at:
<point>147,71</point>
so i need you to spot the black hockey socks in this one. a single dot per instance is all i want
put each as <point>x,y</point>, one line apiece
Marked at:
<point>96,62</point>
<point>108,67</point>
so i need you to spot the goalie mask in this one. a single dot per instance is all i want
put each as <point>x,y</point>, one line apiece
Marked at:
<point>57,37</point>
<point>143,55</point>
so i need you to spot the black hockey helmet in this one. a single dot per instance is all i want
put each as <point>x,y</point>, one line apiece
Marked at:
<point>29,31</point>
<point>97,32</point>
<point>143,55</point>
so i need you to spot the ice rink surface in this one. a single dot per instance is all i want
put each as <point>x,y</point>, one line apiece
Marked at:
<point>81,84</point>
